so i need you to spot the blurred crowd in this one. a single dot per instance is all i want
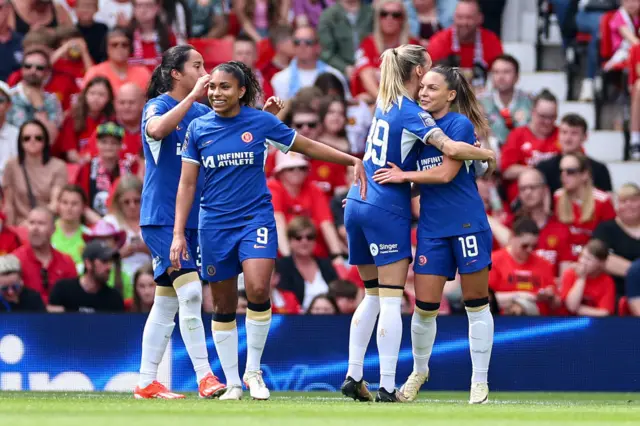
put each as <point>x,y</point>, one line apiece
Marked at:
<point>74,75</point>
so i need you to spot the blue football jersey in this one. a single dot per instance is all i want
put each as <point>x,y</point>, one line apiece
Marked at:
<point>394,136</point>
<point>163,164</point>
<point>454,208</point>
<point>232,154</point>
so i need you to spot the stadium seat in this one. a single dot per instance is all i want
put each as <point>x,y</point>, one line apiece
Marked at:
<point>214,51</point>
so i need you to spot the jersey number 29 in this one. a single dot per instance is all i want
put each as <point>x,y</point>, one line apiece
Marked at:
<point>379,137</point>
<point>469,246</point>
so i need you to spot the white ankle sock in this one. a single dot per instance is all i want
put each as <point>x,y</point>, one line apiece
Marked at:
<point>389,336</point>
<point>191,327</point>
<point>362,324</point>
<point>225,337</point>
<point>257,326</point>
<point>156,335</point>
<point>480,341</point>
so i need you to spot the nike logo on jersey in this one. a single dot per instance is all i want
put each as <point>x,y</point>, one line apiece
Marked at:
<point>471,262</point>
<point>178,127</point>
<point>207,143</point>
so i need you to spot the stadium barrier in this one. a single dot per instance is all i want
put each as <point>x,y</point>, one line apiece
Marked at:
<point>78,352</point>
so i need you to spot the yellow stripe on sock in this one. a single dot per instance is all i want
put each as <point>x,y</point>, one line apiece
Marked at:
<point>223,326</point>
<point>391,292</point>
<point>165,291</point>
<point>372,291</point>
<point>477,308</point>
<point>185,279</point>
<point>426,314</point>
<point>259,316</point>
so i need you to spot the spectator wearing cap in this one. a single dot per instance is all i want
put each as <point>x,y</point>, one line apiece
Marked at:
<point>8,132</point>
<point>341,29</point>
<point>14,296</point>
<point>107,233</point>
<point>505,106</point>
<point>587,290</point>
<point>528,145</point>
<point>97,177</point>
<point>129,103</point>
<point>10,43</point>
<point>293,194</point>
<point>572,134</point>
<point>89,293</point>
<point>29,100</point>
<point>466,44</point>
<point>33,178</point>
<point>522,281</point>
<point>42,265</point>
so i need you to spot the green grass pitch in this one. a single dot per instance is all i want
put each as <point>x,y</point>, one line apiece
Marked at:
<point>325,409</point>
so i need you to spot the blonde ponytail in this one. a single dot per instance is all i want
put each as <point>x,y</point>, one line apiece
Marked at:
<point>395,71</point>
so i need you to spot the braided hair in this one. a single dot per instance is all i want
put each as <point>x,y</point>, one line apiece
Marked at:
<point>246,78</point>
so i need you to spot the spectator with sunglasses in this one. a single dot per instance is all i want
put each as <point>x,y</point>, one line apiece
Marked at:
<point>303,273</point>
<point>117,68</point>
<point>33,178</point>
<point>304,68</point>
<point>505,106</point>
<point>528,145</point>
<point>390,29</point>
<point>522,281</point>
<point>14,296</point>
<point>572,134</point>
<point>294,194</point>
<point>341,29</point>
<point>42,265</point>
<point>29,100</point>
<point>578,203</point>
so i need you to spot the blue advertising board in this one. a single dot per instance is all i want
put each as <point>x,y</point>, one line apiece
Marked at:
<point>305,353</point>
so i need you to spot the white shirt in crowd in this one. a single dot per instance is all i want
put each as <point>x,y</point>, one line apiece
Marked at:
<point>8,145</point>
<point>108,11</point>
<point>280,81</point>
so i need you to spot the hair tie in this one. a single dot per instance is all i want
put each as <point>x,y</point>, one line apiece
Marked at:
<point>395,52</point>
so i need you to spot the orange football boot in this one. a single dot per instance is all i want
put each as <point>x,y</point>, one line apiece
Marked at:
<point>210,387</point>
<point>155,390</point>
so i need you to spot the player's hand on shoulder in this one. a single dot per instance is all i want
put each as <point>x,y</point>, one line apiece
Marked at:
<point>393,174</point>
<point>273,105</point>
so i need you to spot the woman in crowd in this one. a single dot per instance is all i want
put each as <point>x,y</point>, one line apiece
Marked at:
<point>578,204</point>
<point>333,118</point>
<point>323,304</point>
<point>124,215</point>
<point>151,35</point>
<point>67,237</point>
<point>116,68</point>
<point>302,273</point>
<point>34,178</point>
<point>390,30</point>
<point>257,16</point>
<point>144,290</point>
<point>37,13</point>
<point>93,107</point>
<point>428,18</point>
<point>177,16</point>
<point>622,235</point>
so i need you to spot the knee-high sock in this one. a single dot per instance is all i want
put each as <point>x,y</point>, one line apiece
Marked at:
<point>480,338</point>
<point>225,337</point>
<point>156,334</point>
<point>389,335</point>
<point>189,290</point>
<point>362,324</point>
<point>257,326</point>
<point>423,334</point>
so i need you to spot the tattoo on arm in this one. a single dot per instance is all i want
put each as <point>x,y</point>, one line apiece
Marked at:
<point>437,139</point>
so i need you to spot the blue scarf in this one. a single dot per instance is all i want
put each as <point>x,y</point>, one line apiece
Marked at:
<point>294,77</point>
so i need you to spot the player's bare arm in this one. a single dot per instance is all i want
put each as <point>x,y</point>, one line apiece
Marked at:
<point>184,200</point>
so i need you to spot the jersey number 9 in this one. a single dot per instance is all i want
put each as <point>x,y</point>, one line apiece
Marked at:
<point>379,137</point>
<point>263,236</point>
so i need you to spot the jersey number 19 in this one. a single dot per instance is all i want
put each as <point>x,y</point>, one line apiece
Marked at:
<point>378,137</point>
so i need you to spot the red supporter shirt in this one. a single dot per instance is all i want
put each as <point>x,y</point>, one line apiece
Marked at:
<point>368,56</point>
<point>507,275</point>
<point>60,267</point>
<point>148,53</point>
<point>599,291</point>
<point>580,233</point>
<point>9,241</point>
<point>327,176</point>
<point>131,146</point>
<point>284,302</point>
<point>523,148</point>
<point>268,71</point>
<point>310,202</point>
<point>69,140</point>
<point>74,68</point>
<point>441,47</point>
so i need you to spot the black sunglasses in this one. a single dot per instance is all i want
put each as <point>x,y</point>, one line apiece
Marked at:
<point>394,15</point>
<point>37,67</point>
<point>14,287</point>
<point>570,171</point>
<point>37,138</point>
<point>308,237</point>
<point>306,41</point>
<point>309,124</point>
